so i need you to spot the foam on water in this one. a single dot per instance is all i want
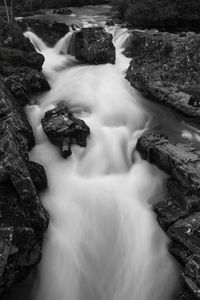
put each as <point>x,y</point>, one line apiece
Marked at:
<point>103,241</point>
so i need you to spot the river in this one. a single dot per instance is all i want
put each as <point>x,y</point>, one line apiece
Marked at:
<point>103,241</point>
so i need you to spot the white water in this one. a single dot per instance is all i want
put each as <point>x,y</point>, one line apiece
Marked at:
<point>103,241</point>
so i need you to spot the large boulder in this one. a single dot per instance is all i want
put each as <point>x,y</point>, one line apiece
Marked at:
<point>26,81</point>
<point>49,31</point>
<point>166,68</point>
<point>63,129</point>
<point>93,45</point>
<point>23,219</point>
<point>13,59</point>
<point>175,159</point>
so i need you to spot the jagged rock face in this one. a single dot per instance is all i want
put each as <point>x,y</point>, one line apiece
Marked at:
<point>177,160</point>
<point>23,219</point>
<point>63,129</point>
<point>26,81</point>
<point>166,67</point>
<point>49,32</point>
<point>179,212</point>
<point>94,45</point>
<point>21,64</point>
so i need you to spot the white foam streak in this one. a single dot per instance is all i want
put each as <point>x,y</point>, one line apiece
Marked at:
<point>103,242</point>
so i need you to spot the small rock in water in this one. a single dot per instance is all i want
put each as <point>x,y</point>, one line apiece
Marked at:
<point>94,45</point>
<point>63,129</point>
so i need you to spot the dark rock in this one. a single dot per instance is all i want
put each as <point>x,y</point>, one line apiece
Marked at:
<point>26,81</point>
<point>62,11</point>
<point>185,234</point>
<point>23,219</point>
<point>110,22</point>
<point>175,159</point>
<point>166,68</point>
<point>49,32</point>
<point>192,275</point>
<point>38,175</point>
<point>63,129</point>
<point>185,294</point>
<point>12,59</point>
<point>11,37</point>
<point>194,101</point>
<point>15,117</point>
<point>94,45</point>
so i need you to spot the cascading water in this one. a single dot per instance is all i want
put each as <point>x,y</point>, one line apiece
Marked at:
<point>103,242</point>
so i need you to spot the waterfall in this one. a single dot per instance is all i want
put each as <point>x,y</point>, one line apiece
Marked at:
<point>103,241</point>
<point>36,41</point>
<point>63,44</point>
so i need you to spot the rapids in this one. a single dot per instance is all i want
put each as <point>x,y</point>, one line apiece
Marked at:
<point>103,241</point>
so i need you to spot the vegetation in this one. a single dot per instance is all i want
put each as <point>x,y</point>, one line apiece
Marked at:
<point>159,13</point>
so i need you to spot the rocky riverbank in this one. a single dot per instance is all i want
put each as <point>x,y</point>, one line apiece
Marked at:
<point>165,67</point>
<point>23,220</point>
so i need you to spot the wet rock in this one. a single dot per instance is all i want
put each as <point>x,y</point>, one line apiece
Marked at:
<point>49,32</point>
<point>63,129</point>
<point>62,11</point>
<point>11,36</point>
<point>38,175</point>
<point>166,68</point>
<point>185,294</point>
<point>185,234</point>
<point>23,219</point>
<point>178,160</point>
<point>192,275</point>
<point>11,112</point>
<point>25,82</point>
<point>110,22</point>
<point>94,45</point>
<point>13,59</point>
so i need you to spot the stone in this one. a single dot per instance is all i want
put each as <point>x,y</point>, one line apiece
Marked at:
<point>177,160</point>
<point>38,175</point>
<point>49,31</point>
<point>166,68</point>
<point>93,45</point>
<point>62,11</point>
<point>63,129</point>
<point>25,82</point>
<point>13,59</point>
<point>23,219</point>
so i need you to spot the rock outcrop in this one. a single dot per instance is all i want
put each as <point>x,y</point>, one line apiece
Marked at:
<point>25,82</point>
<point>20,64</point>
<point>93,45</point>
<point>166,68</point>
<point>179,213</point>
<point>23,219</point>
<point>63,129</point>
<point>49,32</point>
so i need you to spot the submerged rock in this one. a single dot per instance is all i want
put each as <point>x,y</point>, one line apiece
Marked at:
<point>166,68</point>
<point>49,32</point>
<point>26,81</point>
<point>63,129</point>
<point>23,219</point>
<point>94,45</point>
